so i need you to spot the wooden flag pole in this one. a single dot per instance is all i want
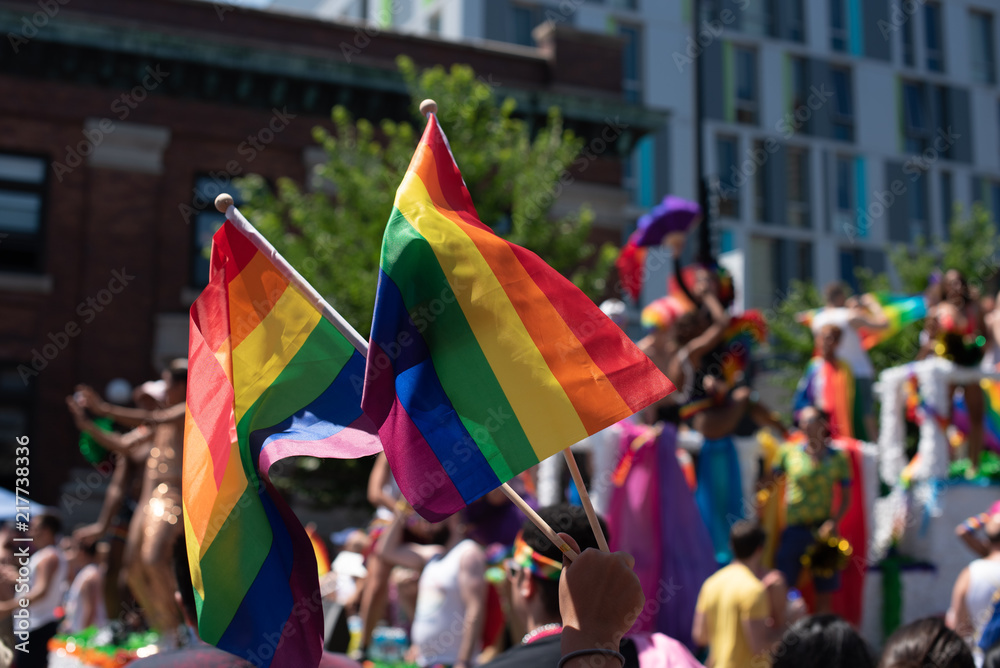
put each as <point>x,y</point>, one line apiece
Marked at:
<point>595,525</point>
<point>556,539</point>
<point>224,202</point>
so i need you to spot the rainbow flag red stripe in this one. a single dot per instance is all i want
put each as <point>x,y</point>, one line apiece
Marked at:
<point>483,360</point>
<point>268,377</point>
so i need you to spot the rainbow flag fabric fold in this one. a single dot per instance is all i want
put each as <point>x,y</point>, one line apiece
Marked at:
<point>899,310</point>
<point>483,360</point>
<point>268,377</point>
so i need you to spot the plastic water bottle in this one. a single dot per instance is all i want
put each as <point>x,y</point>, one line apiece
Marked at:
<point>354,627</point>
<point>388,645</point>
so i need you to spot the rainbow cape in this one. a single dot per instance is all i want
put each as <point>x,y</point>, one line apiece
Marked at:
<point>900,310</point>
<point>268,377</point>
<point>830,388</point>
<point>483,360</point>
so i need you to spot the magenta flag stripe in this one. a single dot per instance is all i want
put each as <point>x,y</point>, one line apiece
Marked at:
<point>424,482</point>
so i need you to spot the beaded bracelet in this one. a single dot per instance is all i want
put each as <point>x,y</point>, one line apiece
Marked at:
<point>976,522</point>
<point>596,650</point>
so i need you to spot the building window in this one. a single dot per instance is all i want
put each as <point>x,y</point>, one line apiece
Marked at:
<point>17,392</point>
<point>838,25</point>
<point>207,221</point>
<point>981,41</point>
<point>727,149</point>
<point>780,262</point>
<point>795,23</point>
<point>22,199</point>
<point>916,129</point>
<point>947,203</point>
<point>906,36</point>
<point>843,101</point>
<point>746,84</point>
<point>844,195</point>
<point>711,11</point>
<point>758,18</point>
<point>799,82</point>
<point>525,20</point>
<point>631,62</point>
<point>933,33</point>
<point>916,195</point>
<point>989,197</point>
<point>761,183</point>
<point>852,259</point>
<point>794,263</point>
<point>434,23</point>
<point>798,187</point>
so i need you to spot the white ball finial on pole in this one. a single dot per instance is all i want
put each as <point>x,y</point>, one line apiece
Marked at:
<point>223,202</point>
<point>428,106</point>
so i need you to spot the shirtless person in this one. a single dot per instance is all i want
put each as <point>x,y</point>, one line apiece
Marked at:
<point>158,521</point>
<point>120,502</point>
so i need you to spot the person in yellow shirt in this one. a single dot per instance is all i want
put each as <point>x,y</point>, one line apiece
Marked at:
<point>731,616</point>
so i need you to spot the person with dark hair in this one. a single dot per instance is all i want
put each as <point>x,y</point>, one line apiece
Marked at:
<point>84,601</point>
<point>828,384</point>
<point>811,470</point>
<point>926,642</point>
<point>957,332</point>
<point>973,593</point>
<point>848,315</point>
<point>44,593</point>
<point>733,608</point>
<point>452,587</point>
<point>533,572</point>
<point>820,641</point>
<point>992,657</point>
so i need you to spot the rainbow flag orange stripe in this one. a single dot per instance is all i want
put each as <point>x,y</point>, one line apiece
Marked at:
<point>483,360</point>
<point>268,377</point>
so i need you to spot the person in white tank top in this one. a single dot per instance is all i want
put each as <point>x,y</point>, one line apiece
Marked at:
<point>451,596</point>
<point>972,595</point>
<point>85,600</point>
<point>44,591</point>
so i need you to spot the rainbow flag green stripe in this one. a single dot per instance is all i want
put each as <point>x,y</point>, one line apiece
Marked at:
<point>269,377</point>
<point>483,360</point>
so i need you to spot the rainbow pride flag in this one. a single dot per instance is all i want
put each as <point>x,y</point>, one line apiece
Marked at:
<point>830,388</point>
<point>991,414</point>
<point>268,377</point>
<point>483,360</point>
<point>899,310</point>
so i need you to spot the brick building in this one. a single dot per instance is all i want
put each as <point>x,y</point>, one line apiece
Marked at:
<point>119,121</point>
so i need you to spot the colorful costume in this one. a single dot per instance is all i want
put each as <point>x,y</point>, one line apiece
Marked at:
<point>809,496</point>
<point>653,518</point>
<point>829,386</point>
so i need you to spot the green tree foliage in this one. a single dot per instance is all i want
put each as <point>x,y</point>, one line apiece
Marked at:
<point>512,170</point>
<point>333,236</point>
<point>971,247</point>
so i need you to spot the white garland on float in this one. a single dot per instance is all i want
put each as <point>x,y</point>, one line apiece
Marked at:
<point>934,375</point>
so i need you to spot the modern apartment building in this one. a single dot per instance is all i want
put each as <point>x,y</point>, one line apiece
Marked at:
<point>832,129</point>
